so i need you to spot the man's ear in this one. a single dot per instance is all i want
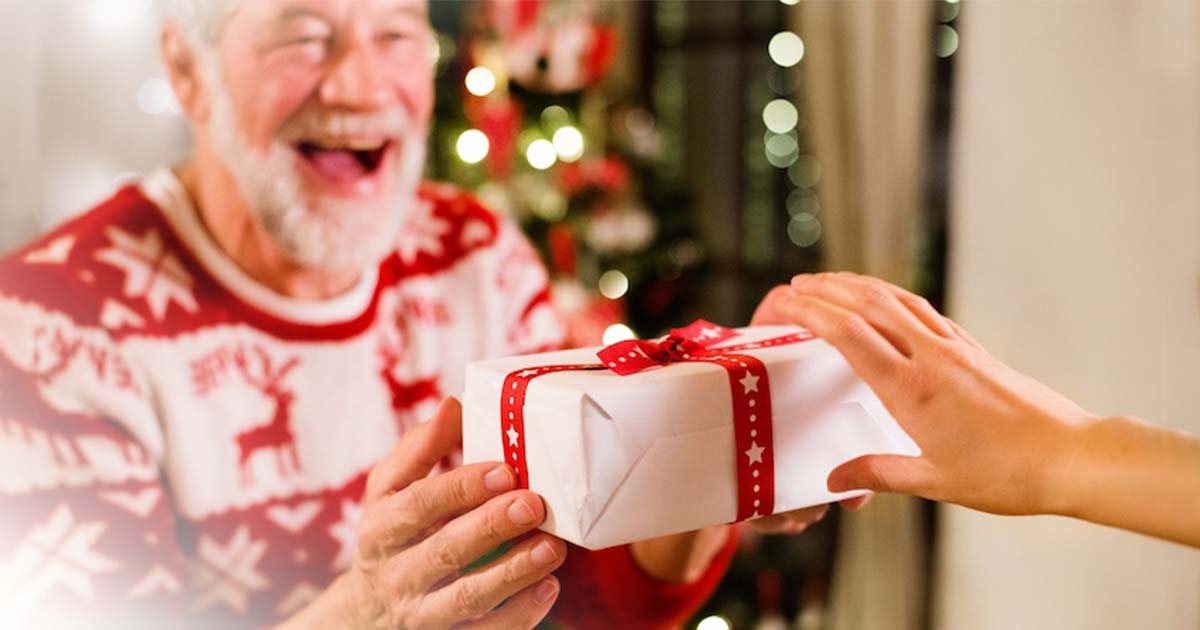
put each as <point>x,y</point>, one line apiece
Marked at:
<point>184,73</point>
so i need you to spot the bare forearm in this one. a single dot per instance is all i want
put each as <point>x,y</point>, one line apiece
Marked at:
<point>680,558</point>
<point>1130,474</point>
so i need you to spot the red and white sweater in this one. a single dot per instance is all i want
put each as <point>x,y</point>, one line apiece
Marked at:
<point>181,446</point>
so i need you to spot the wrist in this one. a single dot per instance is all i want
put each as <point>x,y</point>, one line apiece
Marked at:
<point>1086,460</point>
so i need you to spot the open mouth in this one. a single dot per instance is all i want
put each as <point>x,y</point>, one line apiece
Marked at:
<point>345,161</point>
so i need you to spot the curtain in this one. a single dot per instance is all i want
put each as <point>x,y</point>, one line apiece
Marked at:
<point>864,93</point>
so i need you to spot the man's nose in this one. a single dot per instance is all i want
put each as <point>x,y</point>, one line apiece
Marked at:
<point>356,81</point>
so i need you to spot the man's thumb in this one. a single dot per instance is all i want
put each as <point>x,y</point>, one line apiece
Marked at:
<point>879,473</point>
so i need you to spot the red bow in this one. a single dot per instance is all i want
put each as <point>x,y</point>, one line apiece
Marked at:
<point>634,355</point>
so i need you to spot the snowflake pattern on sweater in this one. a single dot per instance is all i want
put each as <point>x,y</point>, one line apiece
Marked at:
<point>180,446</point>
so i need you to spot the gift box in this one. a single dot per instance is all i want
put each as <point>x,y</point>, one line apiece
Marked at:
<point>648,438</point>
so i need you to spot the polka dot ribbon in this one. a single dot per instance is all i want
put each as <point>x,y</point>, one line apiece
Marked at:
<point>748,385</point>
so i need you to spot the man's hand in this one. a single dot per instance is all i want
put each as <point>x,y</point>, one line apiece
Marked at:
<point>419,533</point>
<point>991,437</point>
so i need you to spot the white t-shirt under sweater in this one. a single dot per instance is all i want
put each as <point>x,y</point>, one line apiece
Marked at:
<point>180,444</point>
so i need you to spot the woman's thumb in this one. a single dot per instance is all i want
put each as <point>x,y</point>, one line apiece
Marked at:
<point>879,473</point>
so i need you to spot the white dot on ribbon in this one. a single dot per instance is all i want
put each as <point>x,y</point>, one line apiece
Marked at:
<point>757,503</point>
<point>514,455</point>
<point>755,473</point>
<point>612,364</point>
<point>751,403</point>
<point>511,415</point>
<point>753,418</point>
<point>512,400</point>
<point>753,432</point>
<point>756,487</point>
<point>632,354</point>
<point>622,359</point>
<point>514,385</point>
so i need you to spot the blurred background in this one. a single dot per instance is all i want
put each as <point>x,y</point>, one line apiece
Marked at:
<point>1030,167</point>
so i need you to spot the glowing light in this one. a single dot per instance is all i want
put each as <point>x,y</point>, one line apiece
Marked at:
<point>613,284</point>
<point>617,332</point>
<point>790,3</point>
<point>803,201</point>
<point>154,96</point>
<point>806,172</point>
<point>782,150</point>
<point>480,81</point>
<point>555,116</point>
<point>541,154</point>
<point>786,49</point>
<point>947,41</point>
<point>715,622</point>
<point>472,146</point>
<point>780,115</point>
<point>804,230</point>
<point>568,142</point>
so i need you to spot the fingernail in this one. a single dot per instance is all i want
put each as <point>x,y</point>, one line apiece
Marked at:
<point>520,513</point>
<point>837,484</point>
<point>545,591</point>
<point>543,553</point>
<point>498,479</point>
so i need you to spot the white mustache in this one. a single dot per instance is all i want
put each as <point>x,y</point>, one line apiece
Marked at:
<point>315,123</point>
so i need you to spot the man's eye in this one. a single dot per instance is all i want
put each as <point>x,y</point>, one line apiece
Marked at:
<point>395,36</point>
<point>308,39</point>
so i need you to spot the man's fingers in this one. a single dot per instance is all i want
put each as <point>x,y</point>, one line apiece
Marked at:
<point>873,300</point>
<point>523,610</point>
<point>882,473</point>
<point>870,355</point>
<point>792,522</point>
<point>855,504</point>
<point>396,520</point>
<point>468,537</point>
<point>417,453</point>
<point>477,593</point>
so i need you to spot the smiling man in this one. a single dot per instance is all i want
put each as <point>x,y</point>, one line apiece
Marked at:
<point>213,385</point>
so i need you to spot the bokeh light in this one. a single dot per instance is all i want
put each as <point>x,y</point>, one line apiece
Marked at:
<point>613,284</point>
<point>472,146</point>
<point>480,81</point>
<point>804,230</point>
<point>786,49</point>
<point>947,41</point>
<point>568,142</point>
<point>541,154</point>
<point>714,622</point>
<point>780,115</point>
<point>617,332</point>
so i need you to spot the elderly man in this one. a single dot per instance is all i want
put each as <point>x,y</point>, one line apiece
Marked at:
<point>202,377</point>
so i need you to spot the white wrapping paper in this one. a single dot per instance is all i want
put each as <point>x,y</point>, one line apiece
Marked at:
<point>624,458</point>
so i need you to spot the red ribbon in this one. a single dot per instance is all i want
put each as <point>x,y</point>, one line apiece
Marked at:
<point>748,385</point>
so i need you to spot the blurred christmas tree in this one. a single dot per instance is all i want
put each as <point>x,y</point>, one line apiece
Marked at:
<point>526,119</point>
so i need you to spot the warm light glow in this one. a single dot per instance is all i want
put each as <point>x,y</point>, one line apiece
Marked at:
<point>947,41</point>
<point>541,154</point>
<point>117,16</point>
<point>472,146</point>
<point>155,97</point>
<point>786,49</point>
<point>613,284</point>
<point>790,3</point>
<point>480,81</point>
<point>617,332</point>
<point>715,622</point>
<point>568,142</point>
<point>780,115</point>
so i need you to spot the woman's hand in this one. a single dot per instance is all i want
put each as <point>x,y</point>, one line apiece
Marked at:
<point>991,438</point>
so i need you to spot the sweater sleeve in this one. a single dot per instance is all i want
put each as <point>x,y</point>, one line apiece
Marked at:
<point>88,535</point>
<point>606,589</point>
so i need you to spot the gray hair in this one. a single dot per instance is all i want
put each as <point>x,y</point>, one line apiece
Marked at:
<point>200,20</point>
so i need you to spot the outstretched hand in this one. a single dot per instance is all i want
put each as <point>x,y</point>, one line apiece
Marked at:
<point>991,438</point>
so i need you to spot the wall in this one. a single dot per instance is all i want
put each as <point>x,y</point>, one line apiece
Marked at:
<point>1076,257</point>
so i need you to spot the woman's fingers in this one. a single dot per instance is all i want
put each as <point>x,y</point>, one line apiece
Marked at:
<point>875,301</point>
<point>867,351</point>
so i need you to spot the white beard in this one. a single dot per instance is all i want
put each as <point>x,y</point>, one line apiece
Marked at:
<point>316,233</point>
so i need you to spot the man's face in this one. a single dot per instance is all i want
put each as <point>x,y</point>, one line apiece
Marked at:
<point>320,110</point>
